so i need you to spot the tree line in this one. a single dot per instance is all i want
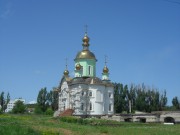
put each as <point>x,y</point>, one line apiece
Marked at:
<point>47,102</point>
<point>126,99</point>
<point>4,100</point>
<point>138,97</point>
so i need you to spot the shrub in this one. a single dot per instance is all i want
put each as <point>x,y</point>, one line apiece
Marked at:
<point>19,107</point>
<point>88,121</point>
<point>38,110</point>
<point>69,119</point>
<point>80,121</point>
<point>49,111</point>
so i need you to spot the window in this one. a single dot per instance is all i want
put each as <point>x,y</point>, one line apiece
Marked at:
<point>64,106</point>
<point>89,69</point>
<point>90,93</point>
<point>109,95</point>
<point>82,106</point>
<point>90,106</point>
<point>110,108</point>
<point>82,93</point>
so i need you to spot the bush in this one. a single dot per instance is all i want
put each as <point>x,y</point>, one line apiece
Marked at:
<point>89,121</point>
<point>49,111</point>
<point>69,119</point>
<point>38,110</point>
<point>1,111</point>
<point>80,121</point>
<point>19,107</point>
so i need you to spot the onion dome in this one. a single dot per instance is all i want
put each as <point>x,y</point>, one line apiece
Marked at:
<point>85,54</point>
<point>78,66</point>
<point>105,69</point>
<point>85,41</point>
<point>66,72</point>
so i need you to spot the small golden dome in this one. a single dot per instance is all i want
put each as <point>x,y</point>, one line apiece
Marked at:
<point>85,54</point>
<point>66,72</point>
<point>105,69</point>
<point>85,40</point>
<point>78,66</point>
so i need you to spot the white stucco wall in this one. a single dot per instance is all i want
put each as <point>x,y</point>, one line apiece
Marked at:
<point>74,96</point>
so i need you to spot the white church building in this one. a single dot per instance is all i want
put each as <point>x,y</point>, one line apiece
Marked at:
<point>85,93</point>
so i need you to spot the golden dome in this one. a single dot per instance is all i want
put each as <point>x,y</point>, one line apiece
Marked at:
<point>78,66</point>
<point>85,54</point>
<point>66,72</point>
<point>105,69</point>
<point>85,40</point>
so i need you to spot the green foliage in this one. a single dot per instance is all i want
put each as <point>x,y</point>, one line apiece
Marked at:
<point>176,102</point>
<point>38,110</point>
<point>42,99</point>
<point>19,107</point>
<point>4,101</point>
<point>88,121</point>
<point>46,125</point>
<point>49,111</point>
<point>47,100</point>
<point>17,130</point>
<point>1,111</point>
<point>140,97</point>
<point>52,97</point>
<point>69,119</point>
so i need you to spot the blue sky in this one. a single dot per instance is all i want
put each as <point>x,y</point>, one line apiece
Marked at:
<point>140,37</point>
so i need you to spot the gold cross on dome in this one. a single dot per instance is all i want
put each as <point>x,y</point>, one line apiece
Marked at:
<point>66,62</point>
<point>86,29</point>
<point>105,59</point>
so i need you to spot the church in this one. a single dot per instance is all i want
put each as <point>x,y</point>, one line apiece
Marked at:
<point>85,93</point>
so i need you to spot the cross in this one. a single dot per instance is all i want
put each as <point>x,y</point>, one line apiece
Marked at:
<point>105,59</point>
<point>66,62</point>
<point>86,29</point>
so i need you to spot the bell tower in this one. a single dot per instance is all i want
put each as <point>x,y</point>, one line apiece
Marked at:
<point>85,61</point>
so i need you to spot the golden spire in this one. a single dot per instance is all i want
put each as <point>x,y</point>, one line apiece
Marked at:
<point>105,69</point>
<point>86,29</point>
<point>85,39</point>
<point>66,72</point>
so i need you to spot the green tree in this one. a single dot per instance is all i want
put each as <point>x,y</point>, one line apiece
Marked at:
<point>176,102</point>
<point>49,111</point>
<point>132,97</point>
<point>117,108</point>
<point>163,100</point>
<point>42,99</point>
<point>7,101</point>
<point>2,101</point>
<point>52,97</point>
<point>19,107</point>
<point>141,97</point>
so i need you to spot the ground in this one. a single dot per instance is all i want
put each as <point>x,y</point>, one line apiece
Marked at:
<point>47,125</point>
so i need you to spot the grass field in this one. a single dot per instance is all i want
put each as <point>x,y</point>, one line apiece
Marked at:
<point>46,125</point>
